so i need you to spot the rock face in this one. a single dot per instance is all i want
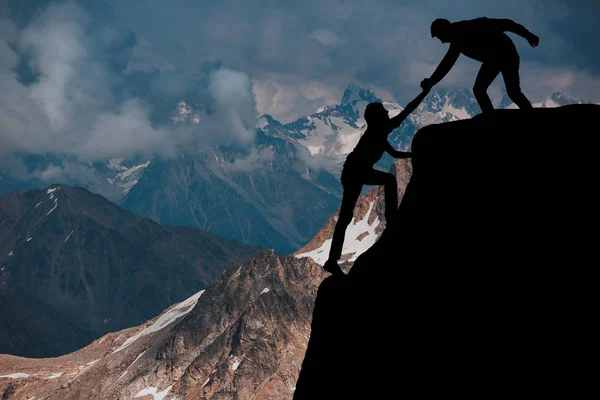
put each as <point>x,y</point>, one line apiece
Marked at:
<point>366,227</point>
<point>243,337</point>
<point>74,266</point>
<point>483,284</point>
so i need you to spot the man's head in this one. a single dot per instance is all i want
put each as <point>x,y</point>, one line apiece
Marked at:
<point>441,28</point>
<point>376,113</point>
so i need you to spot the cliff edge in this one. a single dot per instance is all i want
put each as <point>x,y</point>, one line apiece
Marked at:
<point>484,283</point>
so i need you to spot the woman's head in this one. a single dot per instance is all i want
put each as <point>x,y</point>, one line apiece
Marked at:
<point>375,112</point>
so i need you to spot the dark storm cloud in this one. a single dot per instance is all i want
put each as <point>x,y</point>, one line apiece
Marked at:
<point>100,79</point>
<point>78,98</point>
<point>382,43</point>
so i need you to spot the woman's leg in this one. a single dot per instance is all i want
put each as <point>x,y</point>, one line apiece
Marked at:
<point>376,177</point>
<point>351,195</point>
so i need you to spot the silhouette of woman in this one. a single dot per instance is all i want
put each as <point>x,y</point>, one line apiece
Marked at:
<point>358,171</point>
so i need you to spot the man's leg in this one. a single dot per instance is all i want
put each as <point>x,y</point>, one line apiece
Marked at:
<point>376,177</point>
<point>351,195</point>
<point>488,72</point>
<point>510,73</point>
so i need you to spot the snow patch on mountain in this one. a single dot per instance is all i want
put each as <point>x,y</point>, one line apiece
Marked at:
<point>130,177</point>
<point>330,135</point>
<point>445,105</point>
<point>53,208</point>
<point>360,236</point>
<point>15,376</point>
<point>166,319</point>
<point>127,177</point>
<point>333,131</point>
<point>153,391</point>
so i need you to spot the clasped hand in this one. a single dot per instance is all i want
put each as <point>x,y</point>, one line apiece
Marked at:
<point>426,84</point>
<point>533,40</point>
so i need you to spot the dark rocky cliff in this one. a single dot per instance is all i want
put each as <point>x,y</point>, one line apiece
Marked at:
<point>491,288</point>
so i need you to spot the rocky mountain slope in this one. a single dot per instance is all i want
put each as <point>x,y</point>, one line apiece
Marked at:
<point>243,337</point>
<point>74,266</point>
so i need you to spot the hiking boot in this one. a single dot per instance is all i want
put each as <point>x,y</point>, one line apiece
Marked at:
<point>333,267</point>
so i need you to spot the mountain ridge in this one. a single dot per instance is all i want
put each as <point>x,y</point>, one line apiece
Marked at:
<point>87,266</point>
<point>309,150</point>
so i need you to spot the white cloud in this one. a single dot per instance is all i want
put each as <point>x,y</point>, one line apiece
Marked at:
<point>319,162</point>
<point>295,58</point>
<point>70,108</point>
<point>235,114</point>
<point>70,171</point>
<point>327,38</point>
<point>76,106</point>
<point>256,159</point>
<point>287,97</point>
<point>387,45</point>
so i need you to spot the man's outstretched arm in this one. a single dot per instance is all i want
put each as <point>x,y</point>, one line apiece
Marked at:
<point>410,107</point>
<point>508,25</point>
<point>443,68</point>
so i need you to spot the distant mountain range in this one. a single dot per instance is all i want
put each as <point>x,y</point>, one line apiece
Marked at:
<point>289,194</point>
<point>74,266</point>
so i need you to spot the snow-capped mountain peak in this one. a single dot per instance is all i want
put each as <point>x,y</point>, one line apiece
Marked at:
<point>443,105</point>
<point>355,93</point>
<point>556,99</point>
<point>333,131</point>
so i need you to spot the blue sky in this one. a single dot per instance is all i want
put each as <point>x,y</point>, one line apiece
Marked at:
<point>91,77</point>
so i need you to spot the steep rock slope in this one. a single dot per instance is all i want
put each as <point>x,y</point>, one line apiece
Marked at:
<point>366,227</point>
<point>485,273</point>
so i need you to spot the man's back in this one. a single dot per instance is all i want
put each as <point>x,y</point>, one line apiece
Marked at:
<point>482,39</point>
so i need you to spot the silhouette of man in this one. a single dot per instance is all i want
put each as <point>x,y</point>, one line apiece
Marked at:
<point>358,171</point>
<point>483,39</point>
